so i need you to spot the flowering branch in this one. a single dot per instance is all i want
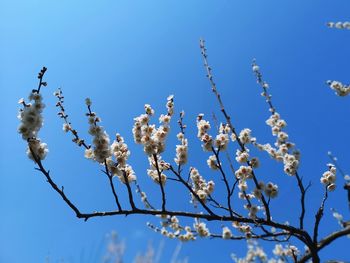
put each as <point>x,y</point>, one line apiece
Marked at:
<point>113,157</point>
<point>264,85</point>
<point>228,119</point>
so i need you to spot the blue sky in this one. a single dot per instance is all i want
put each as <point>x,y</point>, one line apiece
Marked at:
<point>123,54</point>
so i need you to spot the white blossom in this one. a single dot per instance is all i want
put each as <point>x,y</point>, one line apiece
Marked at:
<point>339,88</point>
<point>226,233</point>
<point>221,141</point>
<point>39,149</point>
<point>244,172</point>
<point>271,190</point>
<point>201,229</point>
<point>212,162</point>
<point>245,136</point>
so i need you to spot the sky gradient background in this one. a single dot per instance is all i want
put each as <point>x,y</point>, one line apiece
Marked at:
<point>123,54</point>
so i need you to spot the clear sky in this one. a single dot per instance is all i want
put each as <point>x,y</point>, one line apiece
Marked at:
<point>123,54</point>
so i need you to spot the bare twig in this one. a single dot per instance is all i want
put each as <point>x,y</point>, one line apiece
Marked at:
<point>319,215</point>
<point>160,181</point>
<point>110,178</point>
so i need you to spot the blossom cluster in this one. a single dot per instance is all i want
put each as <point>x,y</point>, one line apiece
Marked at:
<point>254,254</point>
<point>242,156</point>
<point>208,143</point>
<point>201,228</point>
<point>339,25</point>
<point>221,141</point>
<point>31,121</point>
<point>243,228</point>
<point>181,150</point>
<point>290,161</point>
<point>121,153</point>
<point>200,186</point>
<point>282,150</point>
<point>245,136</point>
<point>203,127</point>
<point>226,233</point>
<point>157,166</point>
<point>152,138</point>
<point>271,190</point>
<point>328,178</point>
<point>101,149</point>
<point>171,228</point>
<point>31,116</point>
<point>339,88</point>
<point>288,250</point>
<point>244,172</point>
<point>37,147</point>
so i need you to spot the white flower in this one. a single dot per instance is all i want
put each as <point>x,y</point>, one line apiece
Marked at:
<point>207,142</point>
<point>329,177</point>
<point>89,153</point>
<point>66,127</point>
<point>291,164</point>
<point>126,173</point>
<point>226,233</point>
<point>244,172</point>
<point>39,149</point>
<point>201,229</point>
<point>331,187</point>
<point>165,119</point>
<point>245,136</point>
<point>242,185</point>
<point>271,190</point>
<point>212,162</point>
<point>242,156</point>
<point>256,68</point>
<point>203,126</point>
<point>170,105</point>
<point>120,150</point>
<point>339,88</point>
<point>181,151</point>
<point>221,141</point>
<point>149,110</point>
<point>155,177</point>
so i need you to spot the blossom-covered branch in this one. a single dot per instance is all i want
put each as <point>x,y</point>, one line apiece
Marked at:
<point>207,206</point>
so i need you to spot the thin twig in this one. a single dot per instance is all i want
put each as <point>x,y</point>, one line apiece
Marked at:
<point>319,215</point>
<point>110,178</point>
<point>160,181</point>
<point>216,153</point>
